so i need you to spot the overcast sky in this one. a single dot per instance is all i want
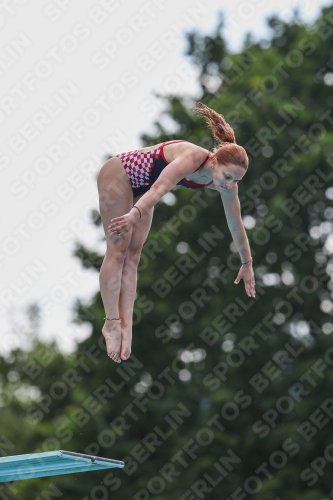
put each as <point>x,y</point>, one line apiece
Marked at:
<point>77,82</point>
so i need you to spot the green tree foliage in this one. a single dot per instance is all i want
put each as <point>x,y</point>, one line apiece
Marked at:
<point>225,397</point>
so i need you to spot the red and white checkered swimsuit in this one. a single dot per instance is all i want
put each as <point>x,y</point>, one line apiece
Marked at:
<point>144,168</point>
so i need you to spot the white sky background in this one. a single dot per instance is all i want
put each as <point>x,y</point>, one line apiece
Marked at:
<point>52,148</point>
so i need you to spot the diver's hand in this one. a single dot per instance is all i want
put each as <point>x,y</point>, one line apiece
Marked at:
<point>122,224</point>
<point>246,273</point>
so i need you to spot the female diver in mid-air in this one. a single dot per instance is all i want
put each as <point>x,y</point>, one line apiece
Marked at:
<point>129,186</point>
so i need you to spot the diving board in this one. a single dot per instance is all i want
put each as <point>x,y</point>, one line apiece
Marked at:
<point>51,463</point>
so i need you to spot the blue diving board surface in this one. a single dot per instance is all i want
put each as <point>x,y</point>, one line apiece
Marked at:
<point>51,463</point>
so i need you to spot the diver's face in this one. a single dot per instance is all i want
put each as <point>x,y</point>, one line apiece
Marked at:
<point>226,176</point>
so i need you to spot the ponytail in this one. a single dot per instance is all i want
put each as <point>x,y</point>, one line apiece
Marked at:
<point>227,151</point>
<point>221,129</point>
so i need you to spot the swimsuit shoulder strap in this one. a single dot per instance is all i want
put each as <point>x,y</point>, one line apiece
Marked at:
<point>182,140</point>
<point>172,142</point>
<point>169,142</point>
<point>161,148</point>
<point>206,159</point>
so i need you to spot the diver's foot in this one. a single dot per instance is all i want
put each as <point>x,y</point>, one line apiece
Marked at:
<point>126,341</point>
<point>112,334</point>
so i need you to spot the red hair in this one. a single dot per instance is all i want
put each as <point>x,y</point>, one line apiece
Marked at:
<point>227,151</point>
